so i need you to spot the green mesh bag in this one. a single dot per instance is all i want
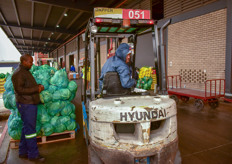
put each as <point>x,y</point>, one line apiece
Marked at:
<point>45,84</point>
<point>45,118</point>
<point>64,119</point>
<point>56,96</point>
<point>8,84</point>
<point>47,129</point>
<point>9,100</point>
<point>65,94</point>
<point>71,125</point>
<point>62,104</point>
<point>67,110</point>
<point>33,68</point>
<point>60,79</point>
<point>54,120</point>
<point>73,116</point>
<point>73,107</point>
<point>15,128</point>
<point>40,110</point>
<point>52,89</point>
<point>38,128</point>
<point>54,108</point>
<point>72,86</point>
<point>59,127</point>
<point>73,95</point>
<point>45,66</point>
<point>45,96</point>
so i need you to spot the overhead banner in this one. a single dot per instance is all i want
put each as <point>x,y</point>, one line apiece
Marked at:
<point>121,13</point>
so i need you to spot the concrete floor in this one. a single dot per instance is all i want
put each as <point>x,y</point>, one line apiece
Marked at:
<point>204,137</point>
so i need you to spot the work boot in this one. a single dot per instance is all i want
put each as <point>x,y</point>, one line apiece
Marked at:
<point>23,156</point>
<point>38,159</point>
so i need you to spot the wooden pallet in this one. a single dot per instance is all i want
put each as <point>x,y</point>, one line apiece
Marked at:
<point>55,137</point>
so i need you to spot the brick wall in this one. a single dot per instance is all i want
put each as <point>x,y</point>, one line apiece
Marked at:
<point>196,49</point>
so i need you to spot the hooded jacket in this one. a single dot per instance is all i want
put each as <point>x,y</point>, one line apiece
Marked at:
<point>118,64</point>
<point>25,86</point>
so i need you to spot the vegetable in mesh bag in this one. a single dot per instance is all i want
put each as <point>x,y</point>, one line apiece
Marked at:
<point>47,129</point>
<point>54,108</point>
<point>71,125</point>
<point>15,128</point>
<point>45,83</point>
<point>73,95</point>
<point>45,66</point>
<point>59,126</point>
<point>8,84</point>
<point>45,118</point>
<point>65,94</point>
<point>52,89</point>
<point>54,120</point>
<point>33,68</point>
<point>73,116</point>
<point>9,100</point>
<point>45,96</point>
<point>40,109</point>
<point>56,96</point>
<point>72,86</point>
<point>60,79</point>
<point>67,110</point>
<point>64,119</point>
<point>38,128</point>
<point>73,107</point>
<point>2,75</point>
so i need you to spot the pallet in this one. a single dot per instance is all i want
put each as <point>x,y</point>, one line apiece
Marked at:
<point>55,137</point>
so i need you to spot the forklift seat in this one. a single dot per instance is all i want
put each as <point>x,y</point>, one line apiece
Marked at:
<point>112,85</point>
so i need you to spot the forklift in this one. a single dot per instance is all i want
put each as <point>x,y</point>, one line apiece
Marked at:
<point>126,125</point>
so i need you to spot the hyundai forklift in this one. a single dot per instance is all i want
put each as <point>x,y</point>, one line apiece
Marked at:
<point>126,125</point>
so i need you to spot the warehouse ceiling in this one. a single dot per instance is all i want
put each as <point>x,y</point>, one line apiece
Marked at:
<point>43,25</point>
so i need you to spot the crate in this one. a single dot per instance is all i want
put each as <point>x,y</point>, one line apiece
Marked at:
<point>55,137</point>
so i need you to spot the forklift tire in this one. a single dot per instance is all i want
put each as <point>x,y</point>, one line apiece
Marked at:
<point>199,104</point>
<point>174,97</point>
<point>93,157</point>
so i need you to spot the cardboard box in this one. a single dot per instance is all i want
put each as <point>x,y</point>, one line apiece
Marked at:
<point>73,75</point>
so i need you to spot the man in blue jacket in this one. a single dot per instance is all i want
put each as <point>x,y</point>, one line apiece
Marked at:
<point>118,63</point>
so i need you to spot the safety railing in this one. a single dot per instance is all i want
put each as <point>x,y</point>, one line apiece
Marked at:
<point>215,88</point>
<point>175,81</point>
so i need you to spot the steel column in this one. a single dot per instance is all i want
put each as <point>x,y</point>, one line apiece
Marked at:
<point>228,61</point>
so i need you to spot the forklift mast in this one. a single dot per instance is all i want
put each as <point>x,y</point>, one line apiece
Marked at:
<point>117,29</point>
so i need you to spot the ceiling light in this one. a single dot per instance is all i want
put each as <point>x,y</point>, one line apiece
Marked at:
<point>65,14</point>
<point>46,42</point>
<point>49,39</point>
<point>57,26</point>
<point>52,33</point>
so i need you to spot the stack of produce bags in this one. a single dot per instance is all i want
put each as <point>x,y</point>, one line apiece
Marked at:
<point>56,114</point>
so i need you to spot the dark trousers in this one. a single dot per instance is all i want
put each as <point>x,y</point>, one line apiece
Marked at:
<point>28,142</point>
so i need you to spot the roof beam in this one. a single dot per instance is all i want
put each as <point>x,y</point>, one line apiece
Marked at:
<point>35,49</point>
<point>40,28</point>
<point>35,46</point>
<point>46,20</point>
<point>39,40</point>
<point>17,17</point>
<point>4,20</point>
<point>84,6</point>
